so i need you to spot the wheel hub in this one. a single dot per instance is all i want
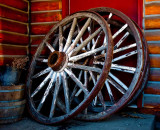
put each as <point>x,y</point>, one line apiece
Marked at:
<point>57,61</point>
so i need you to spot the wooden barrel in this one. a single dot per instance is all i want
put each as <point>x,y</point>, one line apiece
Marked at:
<point>12,103</point>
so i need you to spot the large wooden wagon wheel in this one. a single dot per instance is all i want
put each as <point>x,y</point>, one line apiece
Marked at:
<point>128,70</point>
<point>61,69</point>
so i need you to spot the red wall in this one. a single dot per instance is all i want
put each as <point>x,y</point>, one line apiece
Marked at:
<point>129,7</point>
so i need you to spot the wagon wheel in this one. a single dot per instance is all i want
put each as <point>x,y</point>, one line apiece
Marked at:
<point>128,68</point>
<point>57,86</point>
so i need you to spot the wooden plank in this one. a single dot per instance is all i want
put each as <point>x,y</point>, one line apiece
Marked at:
<point>46,5</point>
<point>151,101</point>
<point>13,50</point>
<point>46,17</point>
<point>152,35</point>
<point>12,26</point>
<point>36,39</point>
<point>150,0</point>
<point>11,38</point>
<point>154,48</point>
<point>19,4</point>
<point>152,22</point>
<point>7,59</point>
<point>154,74</point>
<point>152,87</point>
<point>13,14</point>
<point>41,29</point>
<point>45,51</point>
<point>155,60</point>
<point>153,8</point>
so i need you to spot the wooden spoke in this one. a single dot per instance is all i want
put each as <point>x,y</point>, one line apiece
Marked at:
<point>60,38</point>
<point>79,36</point>
<point>100,96</point>
<point>66,91</point>
<point>81,39</point>
<point>121,40</point>
<point>119,31</point>
<point>85,83</point>
<point>97,40</point>
<point>118,81</point>
<point>77,81</point>
<point>89,30</point>
<point>109,92</point>
<point>55,94</point>
<point>61,105</point>
<point>47,70</point>
<point>125,56</point>
<point>83,67</point>
<point>94,82</point>
<point>50,47</point>
<point>109,17</point>
<point>86,54</point>
<point>124,48</point>
<point>85,42</point>
<point>42,84</point>
<point>98,63</point>
<point>69,39</point>
<point>42,60</point>
<point>117,86</point>
<point>99,56</point>
<point>76,88</point>
<point>46,92</point>
<point>123,68</point>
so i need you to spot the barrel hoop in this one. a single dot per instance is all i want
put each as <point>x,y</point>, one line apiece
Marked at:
<point>14,90</point>
<point>11,107</point>
<point>12,117</point>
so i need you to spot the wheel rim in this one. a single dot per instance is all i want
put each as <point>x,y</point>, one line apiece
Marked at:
<point>127,27</point>
<point>54,82</point>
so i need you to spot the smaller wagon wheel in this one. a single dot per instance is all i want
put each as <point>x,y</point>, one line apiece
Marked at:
<point>57,86</point>
<point>128,69</point>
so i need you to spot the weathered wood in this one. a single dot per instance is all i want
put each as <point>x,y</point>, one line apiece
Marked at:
<point>152,111</point>
<point>41,29</point>
<point>46,17</point>
<point>7,59</point>
<point>152,35</point>
<point>12,50</point>
<point>151,101</point>
<point>154,48</point>
<point>13,14</point>
<point>155,60</point>
<point>12,26</point>
<point>152,87</point>
<point>154,74</point>
<point>46,5</point>
<point>10,93</point>
<point>153,8</point>
<point>19,4</point>
<point>45,51</point>
<point>11,111</point>
<point>36,39</point>
<point>11,38</point>
<point>152,22</point>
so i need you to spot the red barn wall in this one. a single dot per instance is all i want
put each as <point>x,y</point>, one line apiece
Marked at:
<point>44,14</point>
<point>13,30</point>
